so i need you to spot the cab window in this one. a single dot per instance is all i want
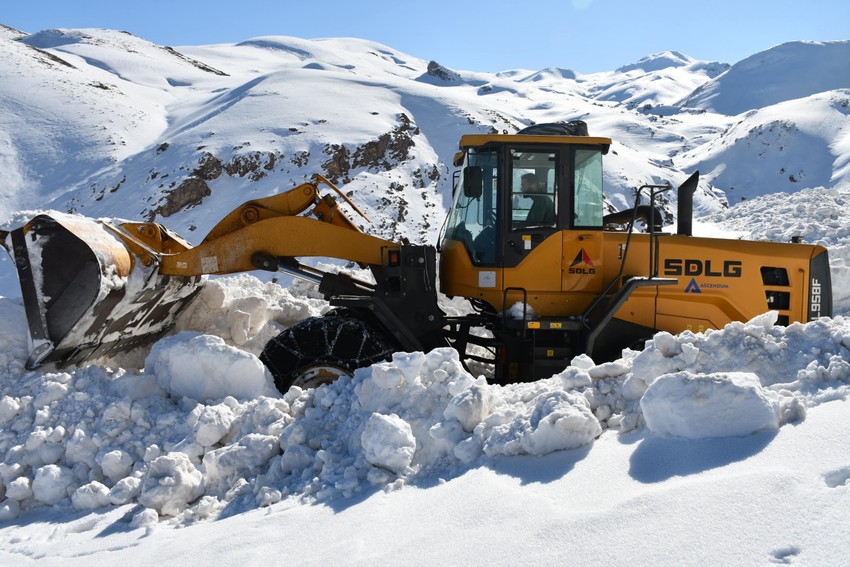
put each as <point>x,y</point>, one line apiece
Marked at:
<point>587,203</point>
<point>533,189</point>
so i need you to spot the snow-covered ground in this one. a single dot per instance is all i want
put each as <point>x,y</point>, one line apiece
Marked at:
<point>729,447</point>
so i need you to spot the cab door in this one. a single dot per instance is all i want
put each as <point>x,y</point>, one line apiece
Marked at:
<point>532,250</point>
<point>582,276</point>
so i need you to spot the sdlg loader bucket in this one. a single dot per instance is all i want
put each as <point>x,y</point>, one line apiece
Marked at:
<point>86,293</point>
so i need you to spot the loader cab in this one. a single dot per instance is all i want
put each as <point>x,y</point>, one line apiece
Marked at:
<point>515,194</point>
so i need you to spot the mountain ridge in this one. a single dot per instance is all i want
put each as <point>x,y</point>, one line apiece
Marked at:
<point>131,129</point>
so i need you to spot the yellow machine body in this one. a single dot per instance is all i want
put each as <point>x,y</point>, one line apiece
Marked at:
<point>717,280</point>
<point>549,271</point>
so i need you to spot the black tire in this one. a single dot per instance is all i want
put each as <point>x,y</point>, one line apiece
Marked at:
<point>319,350</point>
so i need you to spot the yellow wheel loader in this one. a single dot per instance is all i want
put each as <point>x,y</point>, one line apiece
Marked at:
<point>548,275</point>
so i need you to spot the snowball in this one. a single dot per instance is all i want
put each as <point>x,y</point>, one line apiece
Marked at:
<point>116,464</point>
<point>170,483</point>
<point>204,368</point>
<point>19,489</point>
<point>90,496</point>
<point>51,484</point>
<point>388,442</point>
<point>708,405</point>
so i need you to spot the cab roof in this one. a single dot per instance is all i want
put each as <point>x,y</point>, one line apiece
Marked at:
<point>477,140</point>
<point>472,140</point>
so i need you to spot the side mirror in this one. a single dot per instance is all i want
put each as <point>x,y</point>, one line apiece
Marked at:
<point>473,183</point>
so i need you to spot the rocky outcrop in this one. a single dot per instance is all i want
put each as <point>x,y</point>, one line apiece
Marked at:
<point>188,194</point>
<point>382,154</point>
<point>338,166</point>
<point>443,73</point>
<point>209,167</point>
<point>254,165</point>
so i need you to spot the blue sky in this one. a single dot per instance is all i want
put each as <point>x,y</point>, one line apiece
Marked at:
<point>582,35</point>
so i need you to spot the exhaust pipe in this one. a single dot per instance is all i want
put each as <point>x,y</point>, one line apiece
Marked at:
<point>685,213</point>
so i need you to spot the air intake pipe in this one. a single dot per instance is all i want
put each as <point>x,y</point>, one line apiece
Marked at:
<point>685,216</point>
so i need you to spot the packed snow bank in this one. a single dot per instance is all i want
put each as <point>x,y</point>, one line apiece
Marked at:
<point>189,443</point>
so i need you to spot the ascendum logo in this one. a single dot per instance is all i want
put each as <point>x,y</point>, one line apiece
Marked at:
<point>582,264</point>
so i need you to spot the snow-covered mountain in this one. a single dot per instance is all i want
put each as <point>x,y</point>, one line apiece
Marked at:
<point>794,70</point>
<point>108,124</point>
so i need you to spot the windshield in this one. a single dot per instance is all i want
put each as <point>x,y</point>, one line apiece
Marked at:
<point>474,218</point>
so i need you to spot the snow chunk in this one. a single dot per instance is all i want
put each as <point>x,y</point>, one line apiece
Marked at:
<point>204,368</point>
<point>213,423</point>
<point>388,442</point>
<point>520,310</point>
<point>171,482</point>
<point>471,406</point>
<point>9,408</point>
<point>240,460</point>
<point>125,490</point>
<point>90,496</point>
<point>698,406</point>
<point>51,484</point>
<point>552,421</point>
<point>116,464</point>
<point>19,489</point>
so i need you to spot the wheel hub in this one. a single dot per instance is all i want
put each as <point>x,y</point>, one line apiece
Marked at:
<point>315,376</point>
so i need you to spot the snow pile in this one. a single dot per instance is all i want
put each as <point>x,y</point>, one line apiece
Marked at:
<point>813,215</point>
<point>199,433</point>
<point>246,312</point>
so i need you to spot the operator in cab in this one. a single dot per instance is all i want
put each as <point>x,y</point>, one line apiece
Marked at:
<point>542,210</point>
